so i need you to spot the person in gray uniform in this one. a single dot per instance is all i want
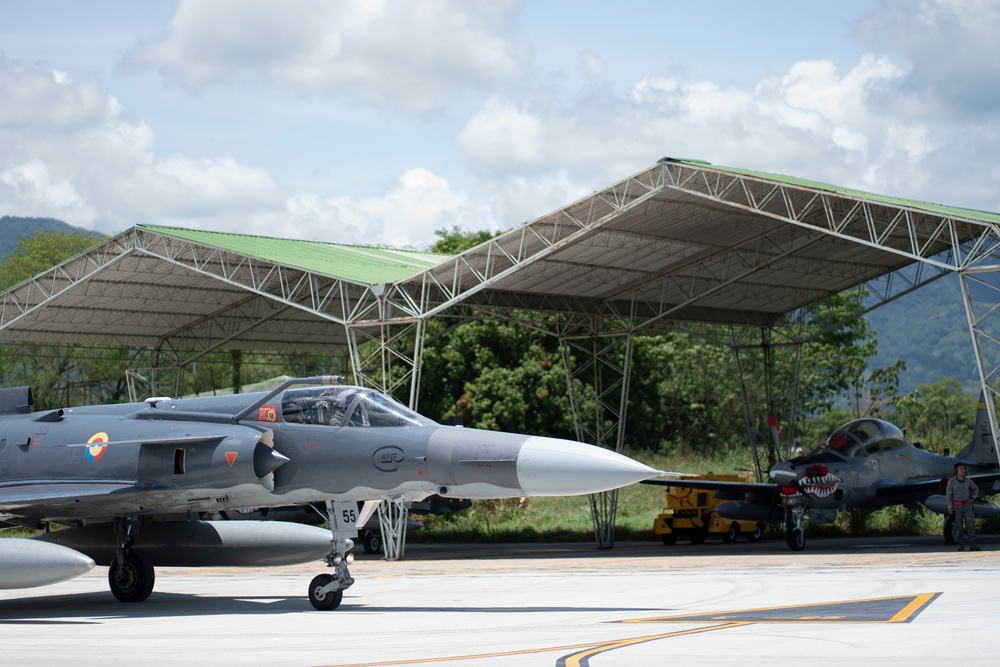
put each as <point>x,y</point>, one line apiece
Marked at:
<point>961,494</point>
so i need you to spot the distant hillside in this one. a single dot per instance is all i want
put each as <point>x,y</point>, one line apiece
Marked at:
<point>928,330</point>
<point>12,228</point>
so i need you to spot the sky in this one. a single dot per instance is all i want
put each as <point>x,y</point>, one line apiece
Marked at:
<point>382,121</point>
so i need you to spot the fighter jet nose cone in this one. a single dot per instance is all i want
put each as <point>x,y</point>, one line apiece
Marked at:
<point>552,467</point>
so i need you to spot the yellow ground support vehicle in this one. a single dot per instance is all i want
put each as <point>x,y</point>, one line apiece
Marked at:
<point>691,513</point>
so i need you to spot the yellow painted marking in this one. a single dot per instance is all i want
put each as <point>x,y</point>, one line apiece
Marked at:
<point>581,653</point>
<point>478,656</point>
<point>580,659</point>
<point>918,603</point>
<point>839,611</point>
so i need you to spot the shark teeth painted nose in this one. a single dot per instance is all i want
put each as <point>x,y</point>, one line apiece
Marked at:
<point>552,467</point>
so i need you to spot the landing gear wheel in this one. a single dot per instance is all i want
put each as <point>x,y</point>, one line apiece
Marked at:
<point>324,601</point>
<point>133,581</point>
<point>952,534</point>
<point>732,534</point>
<point>697,538</point>
<point>758,533</point>
<point>372,542</point>
<point>670,539</point>
<point>796,538</point>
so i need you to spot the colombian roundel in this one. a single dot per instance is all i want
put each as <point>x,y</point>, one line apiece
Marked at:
<point>96,446</point>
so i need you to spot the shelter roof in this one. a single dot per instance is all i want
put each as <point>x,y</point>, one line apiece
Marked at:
<point>680,241</point>
<point>363,264</point>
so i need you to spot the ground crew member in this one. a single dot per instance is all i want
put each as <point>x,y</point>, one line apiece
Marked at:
<point>960,495</point>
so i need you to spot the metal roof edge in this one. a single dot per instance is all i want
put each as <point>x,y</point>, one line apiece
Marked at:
<point>361,264</point>
<point>943,209</point>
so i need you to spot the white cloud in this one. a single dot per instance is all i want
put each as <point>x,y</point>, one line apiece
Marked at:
<point>811,121</point>
<point>952,49</point>
<point>405,54</point>
<point>85,163</point>
<point>406,215</point>
<point>38,96</point>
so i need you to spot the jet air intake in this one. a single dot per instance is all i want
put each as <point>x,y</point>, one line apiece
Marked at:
<point>245,456</point>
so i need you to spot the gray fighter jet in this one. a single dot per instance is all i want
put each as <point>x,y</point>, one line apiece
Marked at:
<point>866,464</point>
<point>131,482</point>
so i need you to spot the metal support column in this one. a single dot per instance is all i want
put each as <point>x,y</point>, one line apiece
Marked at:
<point>983,326</point>
<point>373,358</point>
<point>600,361</point>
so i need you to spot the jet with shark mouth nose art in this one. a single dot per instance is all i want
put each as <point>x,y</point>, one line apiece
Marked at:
<point>865,464</point>
<point>134,483</point>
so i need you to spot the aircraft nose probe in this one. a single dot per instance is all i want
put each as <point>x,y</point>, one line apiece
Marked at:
<point>553,467</point>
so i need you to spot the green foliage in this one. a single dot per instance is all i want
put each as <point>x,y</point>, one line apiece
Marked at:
<point>684,396</point>
<point>40,252</point>
<point>455,240</point>
<point>940,415</point>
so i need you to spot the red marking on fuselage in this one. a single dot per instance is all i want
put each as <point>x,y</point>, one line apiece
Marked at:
<point>231,457</point>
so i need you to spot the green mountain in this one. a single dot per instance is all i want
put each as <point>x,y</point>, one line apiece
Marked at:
<point>12,228</point>
<point>928,330</point>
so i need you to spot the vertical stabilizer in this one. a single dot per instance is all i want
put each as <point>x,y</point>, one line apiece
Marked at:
<point>981,449</point>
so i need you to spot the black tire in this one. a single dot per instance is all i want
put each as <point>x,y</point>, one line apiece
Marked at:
<point>698,537</point>
<point>324,601</point>
<point>132,582</point>
<point>758,533</point>
<point>669,539</point>
<point>732,534</point>
<point>372,542</point>
<point>796,538</point>
<point>952,530</point>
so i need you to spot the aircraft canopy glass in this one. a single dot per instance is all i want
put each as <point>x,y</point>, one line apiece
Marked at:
<point>861,437</point>
<point>346,406</point>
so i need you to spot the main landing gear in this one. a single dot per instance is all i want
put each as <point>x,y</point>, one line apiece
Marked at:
<point>130,576</point>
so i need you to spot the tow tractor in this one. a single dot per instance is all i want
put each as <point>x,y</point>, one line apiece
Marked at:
<point>691,513</point>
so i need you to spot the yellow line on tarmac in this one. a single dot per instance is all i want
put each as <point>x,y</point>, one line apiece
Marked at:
<point>916,605</point>
<point>581,659</point>
<point>477,656</point>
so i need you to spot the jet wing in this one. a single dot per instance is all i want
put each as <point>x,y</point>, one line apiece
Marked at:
<point>916,491</point>
<point>726,490</point>
<point>68,500</point>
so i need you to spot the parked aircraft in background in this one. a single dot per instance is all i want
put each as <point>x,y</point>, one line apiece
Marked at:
<point>866,464</point>
<point>130,481</point>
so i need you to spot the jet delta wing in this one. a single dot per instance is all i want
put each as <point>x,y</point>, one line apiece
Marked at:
<point>132,482</point>
<point>865,464</point>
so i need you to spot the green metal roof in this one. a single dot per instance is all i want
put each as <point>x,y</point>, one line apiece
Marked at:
<point>361,264</point>
<point>941,209</point>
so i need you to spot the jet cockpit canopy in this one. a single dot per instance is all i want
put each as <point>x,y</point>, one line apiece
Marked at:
<point>861,437</point>
<point>342,405</point>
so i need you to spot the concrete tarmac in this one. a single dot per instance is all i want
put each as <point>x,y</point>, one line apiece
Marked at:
<point>868,601</point>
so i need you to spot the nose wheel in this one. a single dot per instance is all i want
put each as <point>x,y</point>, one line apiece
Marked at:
<point>320,597</point>
<point>795,533</point>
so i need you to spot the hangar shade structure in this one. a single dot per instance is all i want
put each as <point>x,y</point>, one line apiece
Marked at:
<point>681,244</point>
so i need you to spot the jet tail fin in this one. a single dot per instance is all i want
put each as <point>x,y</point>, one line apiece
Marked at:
<point>981,450</point>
